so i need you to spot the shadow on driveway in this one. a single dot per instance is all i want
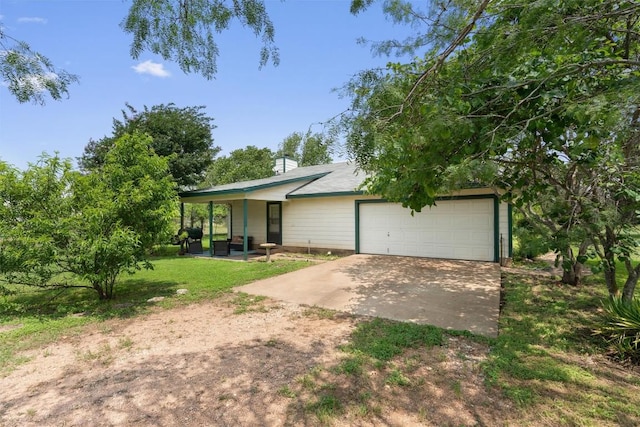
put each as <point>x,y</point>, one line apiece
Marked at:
<point>462,295</point>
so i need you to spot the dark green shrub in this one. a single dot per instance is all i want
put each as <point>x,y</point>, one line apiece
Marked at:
<point>621,327</point>
<point>531,241</point>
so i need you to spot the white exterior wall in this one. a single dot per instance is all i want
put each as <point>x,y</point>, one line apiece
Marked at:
<point>256,220</point>
<point>322,222</point>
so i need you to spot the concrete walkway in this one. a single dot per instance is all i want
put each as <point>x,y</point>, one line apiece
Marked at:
<point>463,295</point>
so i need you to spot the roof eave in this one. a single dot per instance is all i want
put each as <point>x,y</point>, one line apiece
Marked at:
<point>248,189</point>
<point>327,194</point>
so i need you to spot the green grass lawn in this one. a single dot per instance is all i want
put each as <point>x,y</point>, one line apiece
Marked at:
<point>44,316</point>
<point>550,363</point>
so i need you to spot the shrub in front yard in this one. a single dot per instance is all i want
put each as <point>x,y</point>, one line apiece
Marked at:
<point>621,327</point>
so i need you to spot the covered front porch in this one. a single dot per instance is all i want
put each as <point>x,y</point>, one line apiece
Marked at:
<point>249,223</point>
<point>255,206</point>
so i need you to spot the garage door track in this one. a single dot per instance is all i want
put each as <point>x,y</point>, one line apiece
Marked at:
<point>461,295</point>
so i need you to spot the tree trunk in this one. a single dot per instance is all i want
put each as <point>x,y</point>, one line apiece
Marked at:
<point>572,269</point>
<point>101,292</point>
<point>609,261</point>
<point>629,289</point>
<point>573,275</point>
<point>610,278</point>
<point>111,281</point>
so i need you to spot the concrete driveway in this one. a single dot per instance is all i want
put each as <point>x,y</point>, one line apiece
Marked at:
<point>463,295</point>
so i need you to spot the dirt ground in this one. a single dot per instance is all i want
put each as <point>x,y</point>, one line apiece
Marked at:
<point>204,365</point>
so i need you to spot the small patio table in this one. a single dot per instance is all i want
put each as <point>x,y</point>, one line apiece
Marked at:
<point>267,247</point>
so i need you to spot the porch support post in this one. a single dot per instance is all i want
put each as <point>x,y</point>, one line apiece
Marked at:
<point>211,228</point>
<point>245,218</point>
<point>181,215</point>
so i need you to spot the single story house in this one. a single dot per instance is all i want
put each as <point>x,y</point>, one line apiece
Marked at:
<point>321,209</point>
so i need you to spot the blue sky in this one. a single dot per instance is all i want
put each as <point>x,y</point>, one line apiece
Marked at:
<point>318,53</point>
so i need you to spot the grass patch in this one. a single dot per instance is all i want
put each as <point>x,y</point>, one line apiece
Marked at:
<point>326,407</point>
<point>352,387</point>
<point>531,264</point>
<point>319,313</point>
<point>396,377</point>
<point>103,355</point>
<point>125,343</point>
<point>540,360</point>
<point>34,317</point>
<point>246,303</point>
<point>307,382</point>
<point>285,391</point>
<point>352,365</point>
<point>384,339</point>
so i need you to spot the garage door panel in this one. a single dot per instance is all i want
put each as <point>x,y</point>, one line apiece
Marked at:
<point>457,229</point>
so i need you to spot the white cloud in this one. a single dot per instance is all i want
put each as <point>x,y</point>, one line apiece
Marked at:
<point>32,20</point>
<point>152,68</point>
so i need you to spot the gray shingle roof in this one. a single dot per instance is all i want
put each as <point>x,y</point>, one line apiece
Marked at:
<point>344,178</point>
<point>324,180</point>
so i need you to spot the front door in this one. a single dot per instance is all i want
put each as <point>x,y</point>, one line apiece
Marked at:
<point>274,222</point>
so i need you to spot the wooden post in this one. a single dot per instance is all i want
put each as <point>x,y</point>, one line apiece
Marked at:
<point>211,228</point>
<point>182,216</point>
<point>245,214</point>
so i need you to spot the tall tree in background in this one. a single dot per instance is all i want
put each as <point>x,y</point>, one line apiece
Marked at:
<point>243,164</point>
<point>307,149</point>
<point>182,135</point>
<point>544,94</point>
<point>182,31</point>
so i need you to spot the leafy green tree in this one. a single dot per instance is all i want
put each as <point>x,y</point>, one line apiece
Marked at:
<point>197,214</point>
<point>243,164</point>
<point>182,135</point>
<point>36,216</point>
<point>63,229</point>
<point>544,93</point>
<point>307,149</point>
<point>28,74</point>
<point>183,31</point>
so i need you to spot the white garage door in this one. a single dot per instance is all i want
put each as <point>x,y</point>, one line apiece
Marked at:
<point>454,229</point>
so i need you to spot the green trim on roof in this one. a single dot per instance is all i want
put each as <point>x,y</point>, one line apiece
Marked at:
<point>298,188</point>
<point>203,193</point>
<point>329,194</point>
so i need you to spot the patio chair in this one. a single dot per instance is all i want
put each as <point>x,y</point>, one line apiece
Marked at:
<point>221,248</point>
